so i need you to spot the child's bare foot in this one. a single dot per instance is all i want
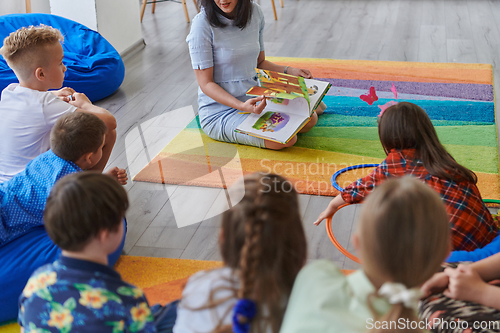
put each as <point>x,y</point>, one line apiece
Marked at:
<point>119,174</point>
<point>321,108</point>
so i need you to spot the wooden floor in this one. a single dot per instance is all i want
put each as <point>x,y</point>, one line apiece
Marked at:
<point>159,81</point>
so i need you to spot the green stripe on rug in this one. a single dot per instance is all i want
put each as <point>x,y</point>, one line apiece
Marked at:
<point>484,135</point>
<point>476,158</point>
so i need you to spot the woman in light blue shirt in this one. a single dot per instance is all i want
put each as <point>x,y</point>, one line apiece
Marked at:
<point>226,44</point>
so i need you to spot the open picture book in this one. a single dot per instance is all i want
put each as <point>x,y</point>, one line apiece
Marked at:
<point>291,101</point>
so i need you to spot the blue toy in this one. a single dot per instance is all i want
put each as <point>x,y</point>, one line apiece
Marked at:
<point>349,168</point>
<point>455,256</point>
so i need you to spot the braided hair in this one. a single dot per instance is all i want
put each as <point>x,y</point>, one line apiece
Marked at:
<point>264,242</point>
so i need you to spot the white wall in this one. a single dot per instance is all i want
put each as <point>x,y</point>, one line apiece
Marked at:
<point>117,20</point>
<point>81,11</point>
<point>18,6</point>
<point>40,6</point>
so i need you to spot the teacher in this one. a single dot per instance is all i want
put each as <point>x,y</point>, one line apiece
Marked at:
<point>226,44</point>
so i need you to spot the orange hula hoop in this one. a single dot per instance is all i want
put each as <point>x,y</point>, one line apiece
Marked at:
<point>335,241</point>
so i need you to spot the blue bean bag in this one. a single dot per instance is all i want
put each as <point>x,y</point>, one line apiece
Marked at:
<point>94,67</point>
<point>21,257</point>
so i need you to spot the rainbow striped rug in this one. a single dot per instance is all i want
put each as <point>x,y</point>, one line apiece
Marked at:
<point>457,97</point>
<point>161,279</point>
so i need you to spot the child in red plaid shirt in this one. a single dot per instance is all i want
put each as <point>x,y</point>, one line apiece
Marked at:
<point>413,148</point>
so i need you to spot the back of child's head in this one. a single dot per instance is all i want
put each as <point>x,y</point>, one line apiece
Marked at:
<point>80,206</point>
<point>24,48</point>
<point>264,240</point>
<point>404,236</point>
<point>407,126</point>
<point>76,134</point>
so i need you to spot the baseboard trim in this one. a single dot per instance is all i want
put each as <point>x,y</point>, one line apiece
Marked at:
<point>139,45</point>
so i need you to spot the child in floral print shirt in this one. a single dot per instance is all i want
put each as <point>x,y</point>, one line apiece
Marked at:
<point>79,292</point>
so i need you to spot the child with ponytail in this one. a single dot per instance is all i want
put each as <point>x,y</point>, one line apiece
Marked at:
<point>413,148</point>
<point>402,237</point>
<point>263,246</point>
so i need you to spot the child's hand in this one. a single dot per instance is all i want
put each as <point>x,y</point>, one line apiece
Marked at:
<point>328,212</point>
<point>305,73</point>
<point>80,100</point>
<point>64,93</point>
<point>252,106</point>
<point>436,284</point>
<point>331,209</point>
<point>119,174</point>
<point>465,284</point>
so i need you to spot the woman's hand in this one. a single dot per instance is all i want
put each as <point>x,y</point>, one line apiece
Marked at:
<point>305,73</point>
<point>253,106</point>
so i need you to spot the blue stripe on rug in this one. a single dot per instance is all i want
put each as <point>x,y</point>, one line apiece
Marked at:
<point>476,111</point>
<point>477,92</point>
<point>337,120</point>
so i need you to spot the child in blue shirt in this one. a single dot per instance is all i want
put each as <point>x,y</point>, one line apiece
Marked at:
<point>76,140</point>
<point>79,292</point>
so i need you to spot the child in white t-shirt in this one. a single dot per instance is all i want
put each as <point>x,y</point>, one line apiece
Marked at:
<point>28,110</point>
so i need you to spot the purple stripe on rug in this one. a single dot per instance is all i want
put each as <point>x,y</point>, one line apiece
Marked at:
<point>478,92</point>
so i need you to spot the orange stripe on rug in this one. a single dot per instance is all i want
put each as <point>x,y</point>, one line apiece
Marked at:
<point>393,71</point>
<point>489,185</point>
<point>163,279</point>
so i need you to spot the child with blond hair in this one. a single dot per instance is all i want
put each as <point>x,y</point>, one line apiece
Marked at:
<point>401,238</point>
<point>28,109</point>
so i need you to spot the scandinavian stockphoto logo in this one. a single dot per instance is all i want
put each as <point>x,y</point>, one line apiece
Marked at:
<point>156,165</point>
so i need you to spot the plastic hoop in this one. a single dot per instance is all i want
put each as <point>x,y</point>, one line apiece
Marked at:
<point>335,241</point>
<point>349,168</point>
<point>339,188</point>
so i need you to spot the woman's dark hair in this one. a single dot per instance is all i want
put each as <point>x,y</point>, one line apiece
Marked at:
<point>407,126</point>
<point>242,18</point>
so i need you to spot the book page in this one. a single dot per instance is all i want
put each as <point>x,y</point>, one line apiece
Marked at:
<point>273,125</point>
<point>298,106</point>
<point>261,91</point>
<point>316,90</point>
